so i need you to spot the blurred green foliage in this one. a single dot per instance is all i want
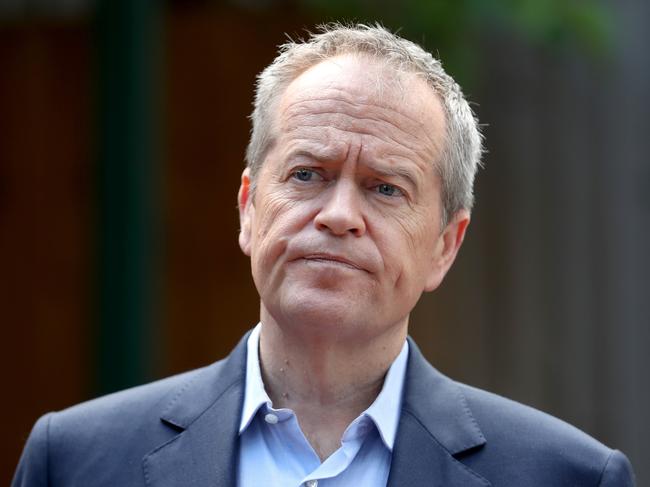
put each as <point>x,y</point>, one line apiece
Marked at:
<point>453,28</point>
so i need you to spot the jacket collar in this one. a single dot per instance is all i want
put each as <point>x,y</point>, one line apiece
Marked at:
<point>435,426</point>
<point>205,411</point>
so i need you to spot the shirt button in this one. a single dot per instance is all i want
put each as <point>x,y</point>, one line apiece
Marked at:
<point>272,419</point>
<point>311,483</point>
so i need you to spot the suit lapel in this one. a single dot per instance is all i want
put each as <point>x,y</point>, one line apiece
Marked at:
<point>206,413</point>
<point>435,426</point>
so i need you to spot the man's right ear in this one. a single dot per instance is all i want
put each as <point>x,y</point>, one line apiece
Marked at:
<point>246,212</point>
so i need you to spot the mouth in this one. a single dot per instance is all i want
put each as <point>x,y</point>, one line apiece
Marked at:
<point>335,260</point>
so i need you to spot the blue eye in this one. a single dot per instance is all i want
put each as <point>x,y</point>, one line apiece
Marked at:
<point>303,174</point>
<point>388,190</point>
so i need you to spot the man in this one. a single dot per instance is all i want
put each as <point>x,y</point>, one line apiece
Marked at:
<point>355,200</point>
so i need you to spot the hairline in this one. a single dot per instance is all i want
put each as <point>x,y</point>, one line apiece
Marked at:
<point>461,145</point>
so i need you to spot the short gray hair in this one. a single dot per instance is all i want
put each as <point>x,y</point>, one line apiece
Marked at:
<point>462,151</point>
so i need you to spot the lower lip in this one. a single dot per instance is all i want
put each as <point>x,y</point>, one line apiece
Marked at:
<point>330,263</point>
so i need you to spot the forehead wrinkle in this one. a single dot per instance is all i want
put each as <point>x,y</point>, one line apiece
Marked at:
<point>355,104</point>
<point>319,150</point>
<point>290,125</point>
<point>303,107</point>
<point>391,140</point>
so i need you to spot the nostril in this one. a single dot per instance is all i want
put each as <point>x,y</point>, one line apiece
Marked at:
<point>342,213</point>
<point>340,226</point>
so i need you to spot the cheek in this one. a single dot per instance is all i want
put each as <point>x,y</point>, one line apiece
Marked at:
<point>277,219</point>
<point>269,211</point>
<point>417,232</point>
<point>407,245</point>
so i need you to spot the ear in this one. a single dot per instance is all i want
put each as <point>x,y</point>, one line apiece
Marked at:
<point>246,212</point>
<point>446,249</point>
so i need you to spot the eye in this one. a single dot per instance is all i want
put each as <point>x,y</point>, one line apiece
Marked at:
<point>388,190</point>
<point>303,174</point>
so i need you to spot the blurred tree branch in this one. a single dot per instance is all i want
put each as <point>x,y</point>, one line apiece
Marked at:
<point>451,28</point>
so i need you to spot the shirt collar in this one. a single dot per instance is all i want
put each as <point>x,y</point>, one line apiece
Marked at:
<point>384,411</point>
<point>255,395</point>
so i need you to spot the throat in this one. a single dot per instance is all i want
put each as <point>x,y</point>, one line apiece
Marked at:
<point>326,383</point>
<point>324,404</point>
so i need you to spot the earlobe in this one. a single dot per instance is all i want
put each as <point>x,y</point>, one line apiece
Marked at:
<point>447,248</point>
<point>246,211</point>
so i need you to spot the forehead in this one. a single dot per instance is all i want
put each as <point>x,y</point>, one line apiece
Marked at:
<point>358,94</point>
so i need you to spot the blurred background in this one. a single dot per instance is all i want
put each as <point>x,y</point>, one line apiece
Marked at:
<point>122,134</point>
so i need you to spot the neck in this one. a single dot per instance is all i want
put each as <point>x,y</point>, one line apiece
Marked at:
<point>326,380</point>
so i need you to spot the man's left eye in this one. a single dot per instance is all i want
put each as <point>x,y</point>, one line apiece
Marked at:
<point>303,174</point>
<point>388,190</point>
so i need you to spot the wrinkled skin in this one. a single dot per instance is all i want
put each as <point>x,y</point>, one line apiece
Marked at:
<point>343,229</point>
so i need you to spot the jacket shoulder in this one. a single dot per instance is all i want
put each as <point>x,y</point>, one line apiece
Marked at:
<point>129,406</point>
<point>525,445</point>
<point>71,446</point>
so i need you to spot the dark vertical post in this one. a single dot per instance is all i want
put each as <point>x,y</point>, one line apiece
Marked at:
<point>127,73</point>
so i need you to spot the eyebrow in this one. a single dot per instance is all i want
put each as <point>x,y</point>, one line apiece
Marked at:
<point>331,155</point>
<point>320,155</point>
<point>396,171</point>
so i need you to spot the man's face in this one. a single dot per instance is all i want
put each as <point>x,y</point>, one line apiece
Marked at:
<point>343,230</point>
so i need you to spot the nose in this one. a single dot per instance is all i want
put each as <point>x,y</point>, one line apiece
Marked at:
<point>342,210</point>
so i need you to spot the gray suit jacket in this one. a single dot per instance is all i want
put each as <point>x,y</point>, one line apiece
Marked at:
<point>183,431</point>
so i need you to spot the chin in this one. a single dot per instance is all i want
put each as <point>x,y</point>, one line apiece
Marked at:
<point>327,312</point>
<point>321,311</point>
<point>345,320</point>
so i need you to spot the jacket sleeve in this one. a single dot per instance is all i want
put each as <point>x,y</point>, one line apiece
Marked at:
<point>32,470</point>
<point>618,472</point>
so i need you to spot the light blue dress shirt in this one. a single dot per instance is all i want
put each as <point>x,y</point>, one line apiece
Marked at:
<point>274,450</point>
